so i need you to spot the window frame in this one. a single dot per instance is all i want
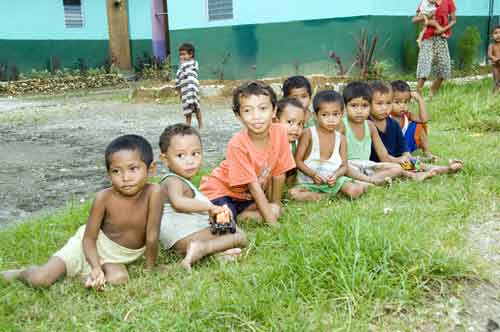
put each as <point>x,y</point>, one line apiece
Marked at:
<point>207,10</point>
<point>82,14</point>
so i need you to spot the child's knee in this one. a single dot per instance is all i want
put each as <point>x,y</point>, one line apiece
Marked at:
<point>354,191</point>
<point>38,277</point>
<point>293,193</point>
<point>117,278</point>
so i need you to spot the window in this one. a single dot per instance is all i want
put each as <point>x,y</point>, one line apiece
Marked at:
<point>73,13</point>
<point>220,10</point>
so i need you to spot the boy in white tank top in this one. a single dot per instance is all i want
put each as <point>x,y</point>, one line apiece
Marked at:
<point>321,156</point>
<point>186,211</point>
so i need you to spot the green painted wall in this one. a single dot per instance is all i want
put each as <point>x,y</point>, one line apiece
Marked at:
<point>279,49</point>
<point>35,54</point>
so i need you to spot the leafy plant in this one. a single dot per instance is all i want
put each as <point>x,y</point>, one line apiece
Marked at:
<point>338,63</point>
<point>220,69</point>
<point>365,54</point>
<point>81,66</point>
<point>152,67</point>
<point>468,46</point>
<point>410,53</point>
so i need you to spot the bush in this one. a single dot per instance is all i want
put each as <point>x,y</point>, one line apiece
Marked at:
<point>468,46</point>
<point>410,53</point>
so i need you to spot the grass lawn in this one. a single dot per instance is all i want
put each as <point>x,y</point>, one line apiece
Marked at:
<point>333,266</point>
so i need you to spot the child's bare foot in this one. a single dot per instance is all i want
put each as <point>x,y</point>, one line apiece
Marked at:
<point>11,275</point>
<point>229,255</point>
<point>455,165</point>
<point>194,252</point>
<point>421,176</point>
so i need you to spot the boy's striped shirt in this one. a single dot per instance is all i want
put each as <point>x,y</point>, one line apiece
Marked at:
<point>187,80</point>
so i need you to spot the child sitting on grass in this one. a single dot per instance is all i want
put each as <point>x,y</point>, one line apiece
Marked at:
<point>413,125</point>
<point>299,87</point>
<point>257,159</point>
<point>494,57</point>
<point>123,224</point>
<point>186,81</point>
<point>290,113</point>
<point>361,134</point>
<point>321,155</point>
<point>185,221</point>
<point>390,132</point>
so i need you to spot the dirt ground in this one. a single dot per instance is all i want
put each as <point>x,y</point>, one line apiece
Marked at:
<point>52,148</point>
<point>52,154</point>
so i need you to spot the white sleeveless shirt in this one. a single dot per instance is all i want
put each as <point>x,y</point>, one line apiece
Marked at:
<point>324,168</point>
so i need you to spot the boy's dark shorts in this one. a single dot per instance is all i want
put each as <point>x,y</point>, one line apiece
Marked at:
<point>236,206</point>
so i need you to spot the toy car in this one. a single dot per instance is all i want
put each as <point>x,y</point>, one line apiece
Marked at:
<point>412,165</point>
<point>222,223</point>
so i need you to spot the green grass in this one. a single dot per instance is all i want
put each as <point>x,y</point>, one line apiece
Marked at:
<point>333,266</point>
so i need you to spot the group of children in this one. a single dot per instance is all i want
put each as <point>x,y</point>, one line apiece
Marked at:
<point>346,144</point>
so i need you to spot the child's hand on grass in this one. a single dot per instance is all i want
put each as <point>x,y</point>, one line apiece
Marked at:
<point>96,279</point>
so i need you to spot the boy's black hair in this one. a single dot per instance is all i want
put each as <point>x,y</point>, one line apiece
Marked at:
<point>495,28</point>
<point>174,130</point>
<point>129,143</point>
<point>380,87</point>
<point>188,48</point>
<point>252,88</point>
<point>284,102</point>
<point>357,89</point>
<point>296,82</point>
<point>400,86</point>
<point>327,96</point>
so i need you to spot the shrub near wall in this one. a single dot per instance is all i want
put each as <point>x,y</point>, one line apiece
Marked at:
<point>58,84</point>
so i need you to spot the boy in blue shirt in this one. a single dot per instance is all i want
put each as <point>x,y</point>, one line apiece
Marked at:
<point>391,135</point>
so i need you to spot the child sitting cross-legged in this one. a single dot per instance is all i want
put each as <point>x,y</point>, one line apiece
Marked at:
<point>391,135</point>
<point>321,155</point>
<point>123,224</point>
<point>361,134</point>
<point>257,159</point>
<point>413,125</point>
<point>185,221</point>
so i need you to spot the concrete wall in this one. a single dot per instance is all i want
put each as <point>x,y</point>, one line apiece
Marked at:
<point>192,14</point>
<point>42,20</point>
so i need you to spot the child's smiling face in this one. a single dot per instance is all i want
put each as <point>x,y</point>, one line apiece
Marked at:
<point>292,117</point>
<point>400,102</point>
<point>381,105</point>
<point>329,115</point>
<point>302,95</point>
<point>184,155</point>
<point>358,110</point>
<point>256,113</point>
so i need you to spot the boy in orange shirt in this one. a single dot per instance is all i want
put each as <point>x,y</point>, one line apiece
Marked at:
<point>257,159</point>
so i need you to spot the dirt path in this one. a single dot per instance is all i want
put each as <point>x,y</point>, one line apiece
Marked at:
<point>52,148</point>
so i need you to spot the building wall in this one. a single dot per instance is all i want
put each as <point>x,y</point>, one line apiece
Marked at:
<point>283,40</point>
<point>43,34</point>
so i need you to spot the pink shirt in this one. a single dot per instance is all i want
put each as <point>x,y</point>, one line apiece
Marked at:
<point>245,163</point>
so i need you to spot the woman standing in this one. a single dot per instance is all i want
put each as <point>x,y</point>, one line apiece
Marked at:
<point>434,56</point>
